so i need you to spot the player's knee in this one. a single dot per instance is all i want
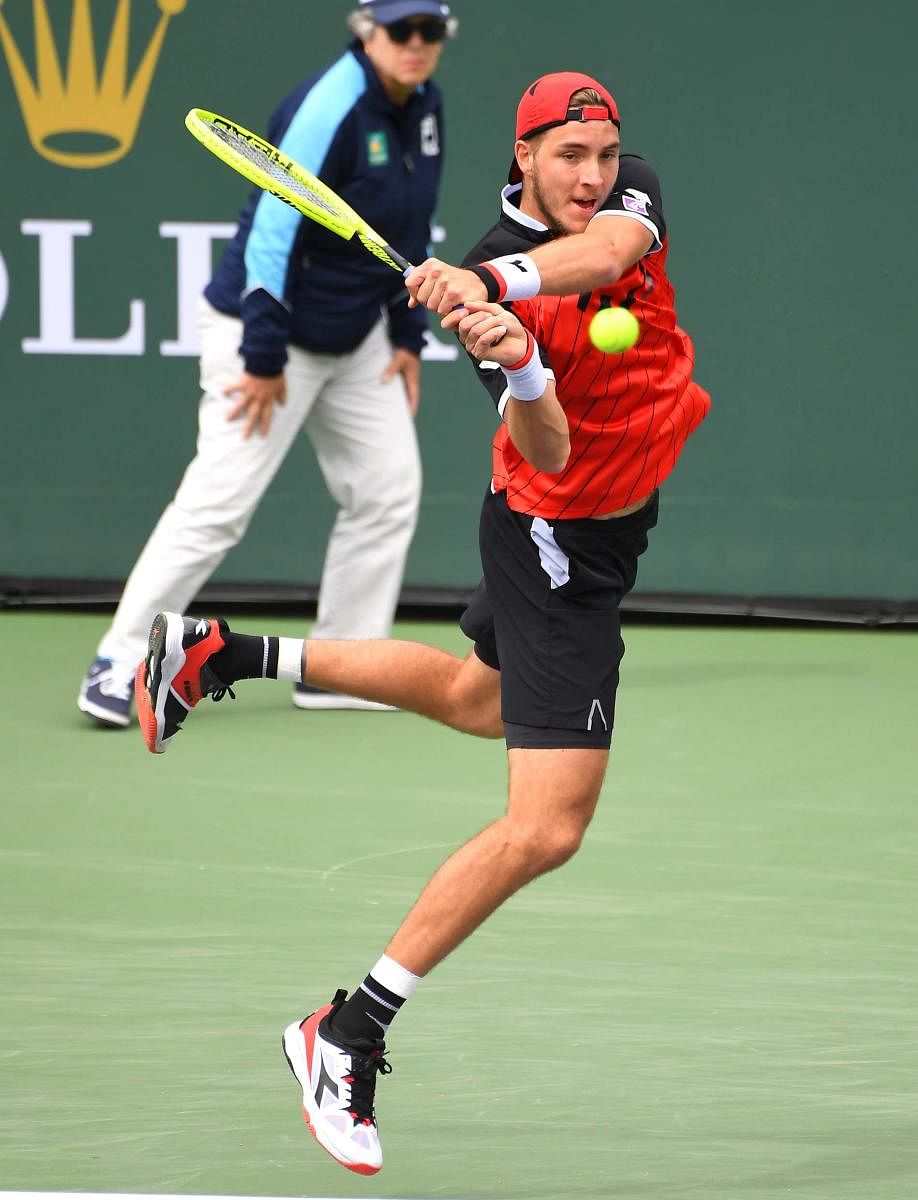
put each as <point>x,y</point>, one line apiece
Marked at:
<point>560,844</point>
<point>471,707</point>
<point>546,846</point>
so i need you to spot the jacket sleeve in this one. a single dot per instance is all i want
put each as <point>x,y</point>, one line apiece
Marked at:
<point>309,132</point>
<point>265,332</point>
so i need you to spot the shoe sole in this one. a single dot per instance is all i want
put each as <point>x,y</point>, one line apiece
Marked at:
<point>102,716</point>
<point>293,1045</point>
<point>165,654</point>
<point>328,703</point>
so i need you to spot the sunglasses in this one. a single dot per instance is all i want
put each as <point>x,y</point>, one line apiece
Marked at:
<point>431,29</point>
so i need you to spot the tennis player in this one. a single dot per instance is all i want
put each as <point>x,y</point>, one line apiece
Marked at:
<point>584,443</point>
<point>302,334</point>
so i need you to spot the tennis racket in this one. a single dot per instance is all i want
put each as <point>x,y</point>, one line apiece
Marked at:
<point>268,168</point>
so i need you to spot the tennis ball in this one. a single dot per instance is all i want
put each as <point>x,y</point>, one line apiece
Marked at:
<point>613,330</point>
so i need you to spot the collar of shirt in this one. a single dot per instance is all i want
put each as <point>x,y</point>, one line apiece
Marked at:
<point>533,230</point>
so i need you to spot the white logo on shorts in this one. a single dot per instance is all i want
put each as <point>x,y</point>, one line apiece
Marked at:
<point>596,707</point>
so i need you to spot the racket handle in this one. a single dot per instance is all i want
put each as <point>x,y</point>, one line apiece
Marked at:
<point>405,265</point>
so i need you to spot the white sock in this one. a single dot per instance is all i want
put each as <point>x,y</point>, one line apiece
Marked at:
<point>395,977</point>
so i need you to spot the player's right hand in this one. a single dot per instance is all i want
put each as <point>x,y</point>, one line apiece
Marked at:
<point>256,396</point>
<point>441,288</point>
<point>489,331</point>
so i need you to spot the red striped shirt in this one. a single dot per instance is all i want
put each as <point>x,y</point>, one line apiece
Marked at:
<point>629,414</point>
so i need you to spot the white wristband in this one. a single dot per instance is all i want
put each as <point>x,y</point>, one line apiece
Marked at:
<point>517,276</point>
<point>527,378</point>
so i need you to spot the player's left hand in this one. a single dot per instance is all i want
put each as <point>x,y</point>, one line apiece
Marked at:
<point>489,331</point>
<point>441,288</point>
<point>408,365</point>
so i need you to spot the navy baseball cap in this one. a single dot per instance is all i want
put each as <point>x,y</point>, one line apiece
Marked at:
<point>384,12</point>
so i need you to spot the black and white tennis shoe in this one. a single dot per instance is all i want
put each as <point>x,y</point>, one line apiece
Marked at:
<point>339,1087</point>
<point>176,674</point>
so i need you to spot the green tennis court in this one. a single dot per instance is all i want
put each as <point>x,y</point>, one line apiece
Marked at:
<point>717,998</point>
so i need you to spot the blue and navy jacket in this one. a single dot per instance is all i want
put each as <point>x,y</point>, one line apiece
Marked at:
<point>291,280</point>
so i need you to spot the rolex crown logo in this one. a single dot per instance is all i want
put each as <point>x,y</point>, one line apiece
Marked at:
<point>84,100</point>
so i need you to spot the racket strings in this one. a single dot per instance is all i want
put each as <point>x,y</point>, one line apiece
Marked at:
<point>276,170</point>
<point>268,168</point>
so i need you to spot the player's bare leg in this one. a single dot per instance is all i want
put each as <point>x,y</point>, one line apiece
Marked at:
<point>463,693</point>
<point>184,663</point>
<point>553,795</point>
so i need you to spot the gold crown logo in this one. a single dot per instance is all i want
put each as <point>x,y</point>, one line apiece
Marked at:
<point>86,101</point>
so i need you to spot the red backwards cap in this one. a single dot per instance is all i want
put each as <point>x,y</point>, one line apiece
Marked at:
<point>546,103</point>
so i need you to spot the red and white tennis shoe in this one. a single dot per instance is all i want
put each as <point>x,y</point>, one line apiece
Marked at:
<point>175,675</point>
<point>339,1085</point>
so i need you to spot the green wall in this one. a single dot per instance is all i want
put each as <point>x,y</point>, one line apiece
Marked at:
<point>784,137</point>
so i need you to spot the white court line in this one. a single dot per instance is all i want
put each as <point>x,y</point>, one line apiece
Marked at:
<point>352,862</point>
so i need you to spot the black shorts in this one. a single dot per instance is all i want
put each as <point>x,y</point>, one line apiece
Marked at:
<point>546,615</point>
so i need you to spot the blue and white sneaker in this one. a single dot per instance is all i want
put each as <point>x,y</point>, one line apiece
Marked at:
<point>107,691</point>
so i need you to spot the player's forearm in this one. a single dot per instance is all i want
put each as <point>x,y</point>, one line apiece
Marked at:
<point>580,263</point>
<point>539,431</point>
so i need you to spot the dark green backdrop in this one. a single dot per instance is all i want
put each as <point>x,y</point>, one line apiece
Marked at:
<point>784,136</point>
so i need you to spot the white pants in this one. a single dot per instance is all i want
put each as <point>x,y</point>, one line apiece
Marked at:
<point>365,442</point>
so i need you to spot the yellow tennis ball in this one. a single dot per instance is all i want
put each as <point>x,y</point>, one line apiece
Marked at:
<point>613,330</point>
